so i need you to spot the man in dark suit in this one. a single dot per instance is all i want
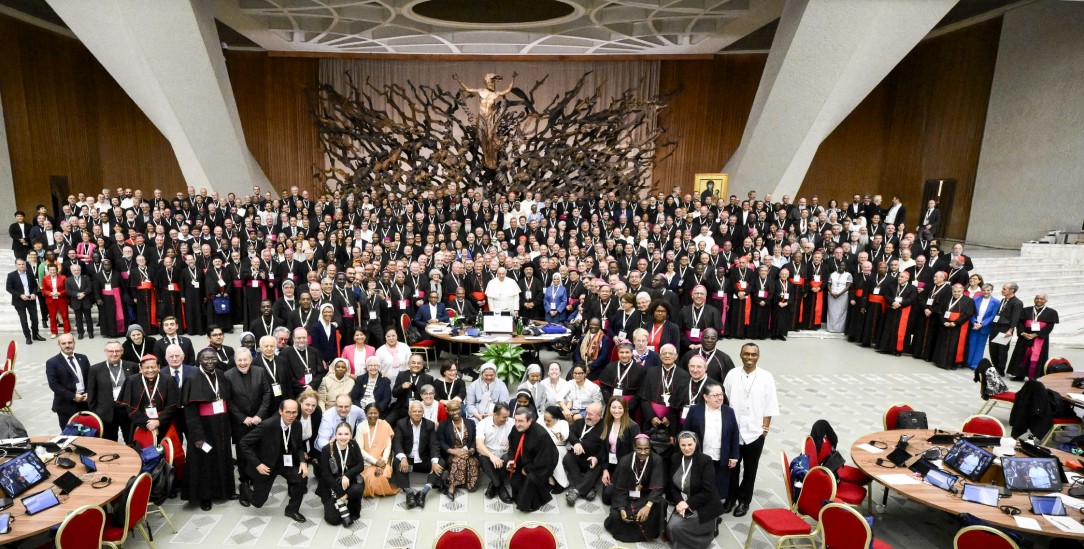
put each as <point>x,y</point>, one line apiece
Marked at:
<point>22,285</point>
<point>171,337</point>
<point>80,289</point>
<point>431,312</point>
<point>583,462</point>
<point>415,448</point>
<point>67,373</point>
<point>274,449</point>
<point>1006,321</point>
<point>304,366</point>
<point>717,427</point>
<point>462,306</point>
<point>250,404</point>
<point>104,383</point>
<point>19,232</point>
<point>931,218</point>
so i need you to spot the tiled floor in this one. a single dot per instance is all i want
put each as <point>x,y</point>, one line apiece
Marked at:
<point>817,378</point>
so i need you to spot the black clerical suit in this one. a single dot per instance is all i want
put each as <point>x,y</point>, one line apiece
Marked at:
<point>103,389</point>
<point>251,394</point>
<point>582,476</point>
<point>273,445</point>
<point>428,452</point>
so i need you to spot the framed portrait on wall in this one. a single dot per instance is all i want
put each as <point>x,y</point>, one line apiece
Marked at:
<point>713,184</point>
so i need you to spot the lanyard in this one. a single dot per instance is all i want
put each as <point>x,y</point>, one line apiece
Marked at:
<point>643,470</point>
<point>684,472</point>
<point>954,302</point>
<point>448,388</point>
<point>371,436</point>
<point>214,386</point>
<point>268,328</point>
<point>150,393</point>
<point>655,331</point>
<point>697,316</point>
<point>342,457</point>
<point>666,383</point>
<point>585,430</point>
<point>1039,312</point>
<point>693,397</point>
<point>116,379</point>
<point>286,438</point>
<point>621,377</point>
<point>270,369</point>
<point>462,434</point>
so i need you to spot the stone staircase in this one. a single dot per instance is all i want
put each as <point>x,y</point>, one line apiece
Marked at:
<point>1061,280</point>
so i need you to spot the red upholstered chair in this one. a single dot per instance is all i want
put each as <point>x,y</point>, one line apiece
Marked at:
<point>1008,397</point>
<point>81,529</point>
<point>425,346</point>
<point>788,525</point>
<point>847,473</point>
<point>983,425</point>
<point>458,536</point>
<point>144,438</point>
<point>892,413</point>
<point>135,514</point>
<point>982,537</point>
<point>532,535</point>
<point>9,361</point>
<point>844,528</point>
<point>88,419</point>
<point>7,391</point>
<point>153,508</point>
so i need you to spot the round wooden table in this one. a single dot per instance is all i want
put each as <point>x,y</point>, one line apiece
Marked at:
<point>120,470</point>
<point>442,331</point>
<point>1062,383</point>
<point>940,499</point>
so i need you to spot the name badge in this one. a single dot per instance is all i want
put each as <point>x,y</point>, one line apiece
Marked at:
<point>996,318</point>
<point>929,302</point>
<point>80,388</point>
<point>151,411</point>
<point>308,379</point>
<point>797,279</point>
<point>287,460</point>
<point>276,389</point>
<point>694,333</point>
<point>947,314</point>
<point>613,458</point>
<point>218,407</point>
<point>403,304</point>
<point>762,294</point>
<point>816,278</point>
<point>720,294</point>
<point>270,276</point>
<point>372,315</point>
<point>195,284</point>
<point>108,287</point>
<point>1035,325</point>
<point>605,323</point>
<point>619,392</point>
<point>684,412</point>
<point>527,294</point>
<point>914,283</point>
<point>634,493</point>
<point>255,283</point>
<point>666,399</point>
<point>877,290</point>
<point>899,300</point>
<point>742,286</point>
<point>786,296</point>
<point>116,392</point>
<point>350,310</point>
<point>552,306</point>
<point>222,283</point>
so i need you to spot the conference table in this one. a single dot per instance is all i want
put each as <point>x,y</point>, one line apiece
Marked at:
<point>443,331</point>
<point>119,470</point>
<point>932,496</point>
<point>1062,383</point>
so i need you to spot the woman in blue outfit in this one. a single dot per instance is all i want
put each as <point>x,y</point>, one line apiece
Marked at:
<point>986,307</point>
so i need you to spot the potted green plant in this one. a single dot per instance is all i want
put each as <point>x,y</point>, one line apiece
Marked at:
<point>506,357</point>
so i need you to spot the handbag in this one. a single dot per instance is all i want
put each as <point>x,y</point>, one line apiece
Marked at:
<point>911,420</point>
<point>660,439</point>
<point>221,304</point>
<point>412,335</point>
<point>834,461</point>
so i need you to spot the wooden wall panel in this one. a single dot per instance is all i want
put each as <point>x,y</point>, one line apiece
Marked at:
<point>274,110</point>
<point>708,116</point>
<point>852,157</point>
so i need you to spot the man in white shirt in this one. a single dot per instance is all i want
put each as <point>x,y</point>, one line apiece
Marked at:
<point>754,400</point>
<point>492,443</point>
<point>503,293</point>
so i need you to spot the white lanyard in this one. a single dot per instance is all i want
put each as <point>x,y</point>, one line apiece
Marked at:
<point>621,377</point>
<point>268,328</point>
<point>214,386</point>
<point>305,319</point>
<point>371,436</point>
<point>684,472</point>
<point>697,316</point>
<point>585,430</point>
<point>954,302</point>
<point>286,439</point>
<point>116,379</point>
<point>150,394</point>
<point>763,283</point>
<point>289,303</point>
<point>666,384</point>
<point>270,369</point>
<point>448,388</point>
<point>637,477</point>
<point>304,359</point>
<point>342,458</point>
<point>655,331</point>
<point>693,397</point>
<point>1037,313</point>
<point>881,280</point>
<point>462,434</point>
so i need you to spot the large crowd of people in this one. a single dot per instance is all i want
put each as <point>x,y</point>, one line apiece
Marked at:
<point>652,412</point>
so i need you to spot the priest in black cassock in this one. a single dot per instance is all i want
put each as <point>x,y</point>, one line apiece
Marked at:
<point>900,298</point>
<point>638,505</point>
<point>622,378</point>
<point>719,363</point>
<point>955,320</point>
<point>694,318</point>
<point>927,321</point>
<point>874,305</point>
<point>1033,341</point>
<point>658,393</point>
<point>856,315</point>
<point>784,302</point>
<point>740,308</point>
<point>764,292</point>
<point>192,295</point>
<point>531,459</point>
<point>209,465</point>
<point>250,403</point>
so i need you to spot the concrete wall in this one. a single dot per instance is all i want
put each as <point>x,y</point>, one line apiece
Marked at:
<point>1031,169</point>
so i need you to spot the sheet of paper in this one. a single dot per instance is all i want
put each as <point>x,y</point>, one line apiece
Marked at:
<point>1001,339</point>
<point>462,337</point>
<point>206,447</point>
<point>1027,522</point>
<point>1070,501</point>
<point>1076,397</point>
<point>899,479</point>
<point>1065,524</point>
<point>870,449</point>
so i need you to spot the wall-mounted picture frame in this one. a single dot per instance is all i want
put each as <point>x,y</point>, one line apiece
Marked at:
<point>715,183</point>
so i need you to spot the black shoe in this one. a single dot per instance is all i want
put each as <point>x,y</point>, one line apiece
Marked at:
<point>80,336</point>
<point>420,499</point>
<point>491,492</point>
<point>233,497</point>
<point>29,341</point>
<point>557,489</point>
<point>591,495</point>
<point>782,338</point>
<point>728,506</point>
<point>506,496</point>
<point>205,505</point>
<point>91,335</point>
<point>570,497</point>
<point>1017,378</point>
<point>410,503</point>
<point>741,509</point>
<point>296,516</point>
<point>354,516</point>
<point>244,502</point>
<point>37,337</point>
<point>246,493</point>
<point>451,495</point>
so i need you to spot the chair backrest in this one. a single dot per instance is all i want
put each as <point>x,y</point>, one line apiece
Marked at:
<point>144,437</point>
<point>458,536</point>
<point>88,419</point>
<point>404,321</point>
<point>984,425</point>
<point>13,349</point>
<point>532,535</point>
<point>844,528</point>
<point>167,450</point>
<point>81,529</point>
<point>810,449</point>
<point>7,364</point>
<point>819,486</point>
<point>1053,366</point>
<point>786,477</point>
<point>892,413</point>
<point>452,314</point>
<point>982,537</point>
<point>138,498</point>
<point>7,388</point>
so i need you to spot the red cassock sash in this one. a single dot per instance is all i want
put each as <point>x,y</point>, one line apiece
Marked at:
<point>818,303</point>
<point>859,292</point>
<point>901,330</point>
<point>880,300</point>
<point>1033,351</point>
<point>961,342</point>
<point>115,294</point>
<point>744,287</point>
<point>146,285</point>
<point>801,302</point>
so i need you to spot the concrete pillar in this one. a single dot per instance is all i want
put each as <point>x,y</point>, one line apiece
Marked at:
<point>826,57</point>
<point>168,58</point>
<point>7,180</point>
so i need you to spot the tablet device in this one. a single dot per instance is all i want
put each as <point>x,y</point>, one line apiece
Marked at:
<point>36,503</point>
<point>941,479</point>
<point>89,464</point>
<point>19,474</point>
<point>1031,474</point>
<point>1047,505</point>
<point>976,493</point>
<point>970,460</point>
<point>67,482</point>
<point>5,523</point>
<point>922,466</point>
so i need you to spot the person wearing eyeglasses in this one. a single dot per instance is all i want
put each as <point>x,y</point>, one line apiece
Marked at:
<point>639,486</point>
<point>716,425</point>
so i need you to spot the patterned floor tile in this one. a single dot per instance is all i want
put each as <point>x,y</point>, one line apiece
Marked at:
<point>401,533</point>
<point>355,535</point>
<point>300,534</point>
<point>248,530</point>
